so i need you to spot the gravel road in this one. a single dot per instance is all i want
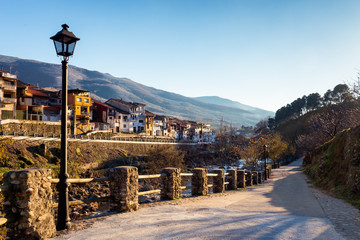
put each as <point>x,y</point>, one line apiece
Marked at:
<point>285,207</point>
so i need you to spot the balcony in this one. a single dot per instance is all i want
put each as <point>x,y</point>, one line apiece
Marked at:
<point>8,75</point>
<point>8,100</point>
<point>9,87</point>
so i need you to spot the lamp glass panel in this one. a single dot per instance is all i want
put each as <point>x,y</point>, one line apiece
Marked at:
<point>71,47</point>
<point>59,47</point>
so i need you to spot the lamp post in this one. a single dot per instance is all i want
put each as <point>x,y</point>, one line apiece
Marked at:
<point>265,177</point>
<point>64,42</point>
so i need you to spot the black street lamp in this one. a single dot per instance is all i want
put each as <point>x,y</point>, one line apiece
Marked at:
<point>64,42</point>
<point>265,173</point>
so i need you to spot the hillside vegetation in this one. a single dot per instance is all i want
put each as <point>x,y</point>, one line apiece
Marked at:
<point>335,166</point>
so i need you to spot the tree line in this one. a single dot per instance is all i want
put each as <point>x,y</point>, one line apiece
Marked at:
<point>341,93</point>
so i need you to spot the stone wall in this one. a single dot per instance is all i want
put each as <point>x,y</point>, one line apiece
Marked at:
<point>32,128</point>
<point>28,204</point>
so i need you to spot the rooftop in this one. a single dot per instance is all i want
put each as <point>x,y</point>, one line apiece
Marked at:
<point>7,74</point>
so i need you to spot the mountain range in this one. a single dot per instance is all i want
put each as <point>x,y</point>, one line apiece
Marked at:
<point>103,86</point>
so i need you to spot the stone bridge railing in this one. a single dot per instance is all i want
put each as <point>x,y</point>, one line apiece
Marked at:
<point>29,205</point>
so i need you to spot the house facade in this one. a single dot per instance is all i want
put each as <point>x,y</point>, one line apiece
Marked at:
<point>133,113</point>
<point>8,87</point>
<point>79,102</point>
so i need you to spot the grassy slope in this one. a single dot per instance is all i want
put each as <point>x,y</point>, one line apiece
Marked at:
<point>335,166</point>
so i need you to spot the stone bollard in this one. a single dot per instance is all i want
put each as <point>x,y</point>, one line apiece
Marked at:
<point>248,178</point>
<point>232,179</point>
<point>255,177</point>
<point>171,183</point>
<point>241,182</point>
<point>260,177</point>
<point>268,173</point>
<point>124,188</point>
<point>199,182</point>
<point>28,204</point>
<point>219,181</point>
<point>265,174</point>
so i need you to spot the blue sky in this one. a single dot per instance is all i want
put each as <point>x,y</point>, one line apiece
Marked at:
<point>259,52</point>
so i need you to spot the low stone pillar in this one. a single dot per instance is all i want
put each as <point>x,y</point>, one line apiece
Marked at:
<point>199,182</point>
<point>232,179</point>
<point>268,172</point>
<point>248,178</point>
<point>219,181</point>
<point>28,204</point>
<point>170,183</point>
<point>265,174</point>
<point>260,177</point>
<point>255,177</point>
<point>241,182</point>
<point>124,188</point>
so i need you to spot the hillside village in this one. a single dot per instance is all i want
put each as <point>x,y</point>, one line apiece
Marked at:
<point>20,101</point>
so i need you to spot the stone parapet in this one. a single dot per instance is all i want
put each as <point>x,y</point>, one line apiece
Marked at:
<point>232,179</point>
<point>255,177</point>
<point>199,182</point>
<point>241,181</point>
<point>124,188</point>
<point>170,183</point>
<point>28,204</point>
<point>260,177</point>
<point>248,178</point>
<point>219,181</point>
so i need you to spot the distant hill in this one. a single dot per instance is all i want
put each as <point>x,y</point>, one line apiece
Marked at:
<point>234,104</point>
<point>106,86</point>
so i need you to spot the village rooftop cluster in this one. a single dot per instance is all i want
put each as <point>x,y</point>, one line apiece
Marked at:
<point>22,101</point>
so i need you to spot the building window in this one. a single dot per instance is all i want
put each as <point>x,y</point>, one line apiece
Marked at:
<point>141,121</point>
<point>78,99</point>
<point>119,117</point>
<point>124,125</point>
<point>86,100</point>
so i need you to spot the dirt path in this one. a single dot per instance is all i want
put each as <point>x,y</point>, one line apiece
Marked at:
<point>283,208</point>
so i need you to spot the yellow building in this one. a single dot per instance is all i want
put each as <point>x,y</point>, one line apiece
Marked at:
<point>79,102</point>
<point>149,123</point>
